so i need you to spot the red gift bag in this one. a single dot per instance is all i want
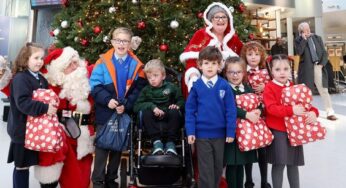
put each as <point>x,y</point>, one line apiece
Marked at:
<point>250,135</point>
<point>44,133</point>
<point>257,77</point>
<point>297,130</point>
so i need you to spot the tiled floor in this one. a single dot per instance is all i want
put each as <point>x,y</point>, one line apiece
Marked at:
<point>325,161</point>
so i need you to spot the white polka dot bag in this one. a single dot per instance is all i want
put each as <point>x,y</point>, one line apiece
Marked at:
<point>298,131</point>
<point>44,133</point>
<point>250,135</point>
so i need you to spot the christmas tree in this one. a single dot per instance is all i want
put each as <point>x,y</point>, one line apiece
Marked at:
<point>164,26</point>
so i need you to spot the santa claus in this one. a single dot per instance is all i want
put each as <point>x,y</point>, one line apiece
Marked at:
<point>68,75</point>
<point>219,32</point>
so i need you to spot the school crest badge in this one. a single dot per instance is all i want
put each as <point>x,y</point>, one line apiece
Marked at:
<point>222,93</point>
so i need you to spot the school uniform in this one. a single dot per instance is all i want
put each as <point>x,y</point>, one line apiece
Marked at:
<point>22,105</point>
<point>210,117</point>
<point>280,151</point>
<point>234,158</point>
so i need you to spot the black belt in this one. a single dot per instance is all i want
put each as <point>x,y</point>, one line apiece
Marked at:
<point>80,118</point>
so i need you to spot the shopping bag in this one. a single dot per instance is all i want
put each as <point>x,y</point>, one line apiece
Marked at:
<point>44,133</point>
<point>297,130</point>
<point>250,135</point>
<point>113,135</point>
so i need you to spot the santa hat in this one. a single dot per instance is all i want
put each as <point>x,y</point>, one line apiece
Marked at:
<point>59,59</point>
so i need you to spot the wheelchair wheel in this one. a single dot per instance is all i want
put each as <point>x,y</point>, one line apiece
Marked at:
<point>123,173</point>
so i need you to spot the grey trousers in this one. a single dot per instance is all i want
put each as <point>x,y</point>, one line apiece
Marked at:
<point>101,175</point>
<point>210,161</point>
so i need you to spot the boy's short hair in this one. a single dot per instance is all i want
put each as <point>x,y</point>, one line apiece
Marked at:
<point>125,30</point>
<point>154,64</point>
<point>210,53</point>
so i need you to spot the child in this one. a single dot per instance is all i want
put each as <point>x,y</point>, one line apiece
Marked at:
<point>160,102</point>
<point>210,117</point>
<point>235,72</point>
<point>27,79</point>
<point>280,152</point>
<point>254,55</point>
<point>115,81</point>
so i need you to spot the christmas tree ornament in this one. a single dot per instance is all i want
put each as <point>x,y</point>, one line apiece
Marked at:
<point>80,23</point>
<point>51,33</point>
<point>163,47</point>
<point>174,24</point>
<point>141,25</point>
<point>64,24</point>
<point>105,39</point>
<point>251,36</point>
<point>246,31</point>
<point>200,15</point>
<point>56,32</point>
<point>134,1</point>
<point>76,39</point>
<point>111,10</point>
<point>241,7</point>
<point>97,29</point>
<point>231,9</point>
<point>84,42</point>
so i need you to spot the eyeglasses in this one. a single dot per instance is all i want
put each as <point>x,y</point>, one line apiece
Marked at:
<point>234,73</point>
<point>218,18</point>
<point>119,41</point>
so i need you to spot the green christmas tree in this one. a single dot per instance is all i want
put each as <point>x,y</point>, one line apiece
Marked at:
<point>165,26</point>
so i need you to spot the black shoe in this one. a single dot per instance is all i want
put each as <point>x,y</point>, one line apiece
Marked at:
<point>111,184</point>
<point>265,185</point>
<point>249,185</point>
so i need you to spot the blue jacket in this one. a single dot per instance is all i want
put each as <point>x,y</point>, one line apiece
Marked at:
<point>210,112</point>
<point>103,85</point>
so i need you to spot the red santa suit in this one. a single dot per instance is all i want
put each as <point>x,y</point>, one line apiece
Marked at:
<point>229,46</point>
<point>72,166</point>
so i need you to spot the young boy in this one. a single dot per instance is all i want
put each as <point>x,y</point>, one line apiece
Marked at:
<point>115,81</point>
<point>160,103</point>
<point>210,118</point>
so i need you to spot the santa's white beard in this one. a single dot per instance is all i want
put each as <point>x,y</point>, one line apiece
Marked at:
<point>75,88</point>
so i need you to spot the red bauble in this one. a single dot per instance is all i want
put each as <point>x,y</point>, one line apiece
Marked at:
<point>64,3</point>
<point>200,15</point>
<point>51,33</point>
<point>141,25</point>
<point>163,47</point>
<point>84,42</point>
<point>251,36</point>
<point>80,23</point>
<point>241,7</point>
<point>97,29</point>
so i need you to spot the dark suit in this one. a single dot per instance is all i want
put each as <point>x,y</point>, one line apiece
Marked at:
<point>306,66</point>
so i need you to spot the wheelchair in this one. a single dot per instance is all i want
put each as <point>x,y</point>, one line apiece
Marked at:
<point>145,169</point>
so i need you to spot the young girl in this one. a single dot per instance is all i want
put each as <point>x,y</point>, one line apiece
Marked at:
<point>280,153</point>
<point>235,72</point>
<point>254,55</point>
<point>27,79</point>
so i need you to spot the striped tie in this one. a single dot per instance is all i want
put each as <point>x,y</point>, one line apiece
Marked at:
<point>120,60</point>
<point>210,84</point>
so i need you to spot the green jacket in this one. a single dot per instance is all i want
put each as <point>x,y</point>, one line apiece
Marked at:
<point>161,97</point>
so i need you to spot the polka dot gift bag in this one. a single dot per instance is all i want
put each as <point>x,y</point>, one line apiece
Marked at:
<point>44,133</point>
<point>250,135</point>
<point>298,131</point>
<point>257,77</point>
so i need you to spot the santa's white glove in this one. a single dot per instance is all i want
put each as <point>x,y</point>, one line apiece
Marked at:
<point>192,80</point>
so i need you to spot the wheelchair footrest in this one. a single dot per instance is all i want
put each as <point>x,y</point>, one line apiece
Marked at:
<point>161,160</point>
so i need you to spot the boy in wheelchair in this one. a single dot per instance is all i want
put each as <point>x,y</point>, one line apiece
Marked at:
<point>160,102</point>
